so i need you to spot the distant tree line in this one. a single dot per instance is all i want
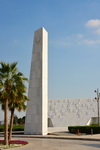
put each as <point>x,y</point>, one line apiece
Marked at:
<point>19,120</point>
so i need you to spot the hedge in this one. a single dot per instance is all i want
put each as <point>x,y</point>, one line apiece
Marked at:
<point>15,128</point>
<point>18,128</point>
<point>1,128</point>
<point>84,129</point>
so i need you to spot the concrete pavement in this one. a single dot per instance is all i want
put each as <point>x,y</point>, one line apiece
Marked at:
<point>58,144</point>
<point>67,136</point>
<point>58,133</point>
<point>58,140</point>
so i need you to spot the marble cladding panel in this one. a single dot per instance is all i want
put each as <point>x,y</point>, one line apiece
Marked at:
<point>36,115</point>
<point>28,120</point>
<point>67,112</point>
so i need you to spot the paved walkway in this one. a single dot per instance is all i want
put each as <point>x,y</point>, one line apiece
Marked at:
<point>59,133</point>
<point>62,133</point>
<point>58,144</point>
<point>58,140</point>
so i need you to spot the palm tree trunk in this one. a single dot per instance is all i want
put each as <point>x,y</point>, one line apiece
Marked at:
<point>6,123</point>
<point>11,123</point>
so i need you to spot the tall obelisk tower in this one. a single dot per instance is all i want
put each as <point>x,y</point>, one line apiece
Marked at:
<point>37,112</point>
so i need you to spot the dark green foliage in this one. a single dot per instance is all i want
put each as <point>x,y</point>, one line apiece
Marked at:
<point>18,128</point>
<point>21,120</point>
<point>15,120</point>
<point>1,128</point>
<point>15,128</point>
<point>84,129</point>
<point>94,125</point>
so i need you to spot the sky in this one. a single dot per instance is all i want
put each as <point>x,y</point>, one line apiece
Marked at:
<point>74,42</point>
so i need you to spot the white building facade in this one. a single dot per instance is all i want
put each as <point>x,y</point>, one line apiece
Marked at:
<point>70,112</point>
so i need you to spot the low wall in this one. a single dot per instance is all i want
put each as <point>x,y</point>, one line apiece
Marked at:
<point>69,112</point>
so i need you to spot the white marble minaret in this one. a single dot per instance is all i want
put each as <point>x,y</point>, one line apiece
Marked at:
<point>36,115</point>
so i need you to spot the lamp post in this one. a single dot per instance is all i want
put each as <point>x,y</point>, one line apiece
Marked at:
<point>97,98</point>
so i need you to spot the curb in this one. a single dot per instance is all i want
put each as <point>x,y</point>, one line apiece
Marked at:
<point>57,137</point>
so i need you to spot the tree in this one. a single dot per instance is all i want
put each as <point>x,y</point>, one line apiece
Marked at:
<point>16,105</point>
<point>19,120</point>
<point>18,98</point>
<point>15,119</point>
<point>7,72</point>
<point>23,120</point>
<point>20,106</point>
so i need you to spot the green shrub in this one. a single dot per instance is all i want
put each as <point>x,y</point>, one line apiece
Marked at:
<point>84,129</point>
<point>94,125</point>
<point>18,128</point>
<point>1,128</point>
<point>15,128</point>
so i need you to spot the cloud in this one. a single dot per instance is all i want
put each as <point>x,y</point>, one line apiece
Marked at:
<point>60,42</point>
<point>68,41</point>
<point>91,42</point>
<point>79,36</point>
<point>97,31</point>
<point>75,39</point>
<point>93,23</point>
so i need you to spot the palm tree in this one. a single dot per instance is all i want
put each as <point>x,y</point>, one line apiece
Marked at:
<point>7,72</point>
<point>19,105</point>
<point>17,97</point>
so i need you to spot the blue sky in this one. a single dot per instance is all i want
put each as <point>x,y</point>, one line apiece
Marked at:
<point>74,42</point>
